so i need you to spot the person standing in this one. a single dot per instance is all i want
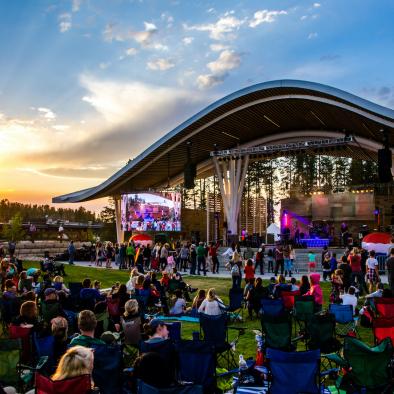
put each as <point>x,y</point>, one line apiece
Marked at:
<point>260,260</point>
<point>279,261</point>
<point>390,269</point>
<point>214,256</point>
<point>355,264</point>
<point>372,270</point>
<point>184,256</point>
<point>71,252</point>
<point>193,260</point>
<point>201,262</point>
<point>130,253</point>
<point>164,256</point>
<point>147,253</point>
<point>122,256</point>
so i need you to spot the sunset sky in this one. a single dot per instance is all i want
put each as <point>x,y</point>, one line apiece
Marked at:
<point>85,85</point>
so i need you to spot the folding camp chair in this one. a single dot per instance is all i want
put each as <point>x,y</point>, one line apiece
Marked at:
<point>196,363</point>
<point>383,328</point>
<point>107,368</point>
<point>270,307</point>
<point>384,306</point>
<point>304,309</point>
<point>236,304</point>
<point>24,334</point>
<point>143,388</point>
<point>345,322</point>
<point>80,385</point>
<point>366,369</point>
<point>75,289</point>
<point>10,354</point>
<point>277,332</point>
<point>288,298</point>
<point>44,347</point>
<point>214,329</point>
<point>294,372</point>
<point>132,337</point>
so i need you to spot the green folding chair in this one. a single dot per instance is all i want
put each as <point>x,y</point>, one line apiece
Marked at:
<point>277,332</point>
<point>304,309</point>
<point>367,369</point>
<point>10,354</point>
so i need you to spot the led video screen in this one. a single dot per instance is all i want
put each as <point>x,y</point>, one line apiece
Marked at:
<point>151,212</point>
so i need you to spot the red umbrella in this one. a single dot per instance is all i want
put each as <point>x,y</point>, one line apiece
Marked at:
<point>379,242</point>
<point>141,238</point>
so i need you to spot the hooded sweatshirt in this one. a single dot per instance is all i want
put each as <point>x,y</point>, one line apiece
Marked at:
<point>315,289</point>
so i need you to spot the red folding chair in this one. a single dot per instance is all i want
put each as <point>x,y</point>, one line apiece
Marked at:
<point>288,298</point>
<point>22,333</point>
<point>384,306</point>
<point>113,307</point>
<point>80,384</point>
<point>383,327</point>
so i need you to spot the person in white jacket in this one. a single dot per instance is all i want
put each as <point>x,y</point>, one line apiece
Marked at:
<point>212,305</point>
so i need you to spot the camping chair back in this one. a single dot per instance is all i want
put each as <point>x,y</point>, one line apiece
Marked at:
<point>107,368</point>
<point>236,298</point>
<point>113,307</point>
<point>144,388</point>
<point>80,385</point>
<point>304,307</point>
<point>369,365</point>
<point>196,363</point>
<point>132,331</point>
<point>294,372</point>
<point>288,298</point>
<point>75,289</point>
<point>272,307</point>
<point>321,333</point>
<point>165,348</point>
<point>214,328</point>
<point>174,330</point>
<point>45,347</point>
<point>22,333</point>
<point>49,311</point>
<point>277,332</point>
<point>383,328</point>
<point>384,306</point>
<point>10,354</point>
<point>173,285</point>
<point>10,309</point>
<point>343,313</point>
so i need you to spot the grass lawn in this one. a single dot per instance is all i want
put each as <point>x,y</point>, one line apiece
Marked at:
<point>246,345</point>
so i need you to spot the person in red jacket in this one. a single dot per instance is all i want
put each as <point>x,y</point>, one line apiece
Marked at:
<point>214,256</point>
<point>354,260</point>
<point>249,271</point>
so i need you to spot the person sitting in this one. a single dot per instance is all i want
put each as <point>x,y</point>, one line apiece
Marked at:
<point>133,278</point>
<point>152,361</point>
<point>87,323</point>
<point>350,298</point>
<point>89,296</point>
<point>24,283</point>
<point>180,304</point>
<point>58,284</point>
<point>212,305</point>
<point>316,291</point>
<point>304,284</point>
<point>378,292</point>
<point>131,323</point>
<point>197,301</point>
<point>294,286</point>
<point>59,331</point>
<point>156,330</point>
<point>28,316</point>
<point>281,286</point>
<point>121,295</point>
<point>271,286</point>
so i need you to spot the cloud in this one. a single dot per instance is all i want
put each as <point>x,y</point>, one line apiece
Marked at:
<point>61,127</point>
<point>187,40</point>
<point>227,61</point>
<point>78,172</point>
<point>65,22</point>
<point>131,52</point>
<point>47,113</point>
<point>218,47</point>
<point>160,64</point>
<point>303,17</point>
<point>76,5</point>
<point>383,95</point>
<point>329,58</point>
<point>104,65</point>
<point>324,72</point>
<point>133,116</point>
<point>265,16</point>
<point>222,29</point>
<point>150,26</point>
<point>312,35</point>
<point>316,5</point>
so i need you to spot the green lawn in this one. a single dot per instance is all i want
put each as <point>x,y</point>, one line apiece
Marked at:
<point>246,345</point>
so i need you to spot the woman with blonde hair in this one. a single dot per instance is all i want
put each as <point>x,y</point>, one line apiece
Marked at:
<point>77,361</point>
<point>212,305</point>
<point>58,284</point>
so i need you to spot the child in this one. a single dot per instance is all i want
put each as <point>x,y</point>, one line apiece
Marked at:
<point>316,291</point>
<point>372,270</point>
<point>326,267</point>
<point>180,304</point>
<point>336,286</point>
<point>311,262</point>
<point>333,263</point>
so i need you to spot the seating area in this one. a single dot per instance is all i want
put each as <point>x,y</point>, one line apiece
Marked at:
<point>134,340</point>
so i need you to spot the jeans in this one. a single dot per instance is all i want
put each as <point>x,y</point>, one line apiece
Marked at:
<point>215,264</point>
<point>201,265</point>
<point>236,281</point>
<point>261,264</point>
<point>71,258</point>
<point>360,281</point>
<point>279,263</point>
<point>193,266</point>
<point>288,266</point>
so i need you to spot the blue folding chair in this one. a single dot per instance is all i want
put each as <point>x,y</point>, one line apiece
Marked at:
<point>143,388</point>
<point>344,319</point>
<point>214,330</point>
<point>272,307</point>
<point>294,372</point>
<point>196,363</point>
<point>174,330</point>
<point>107,368</point>
<point>236,303</point>
<point>44,347</point>
<point>75,289</point>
